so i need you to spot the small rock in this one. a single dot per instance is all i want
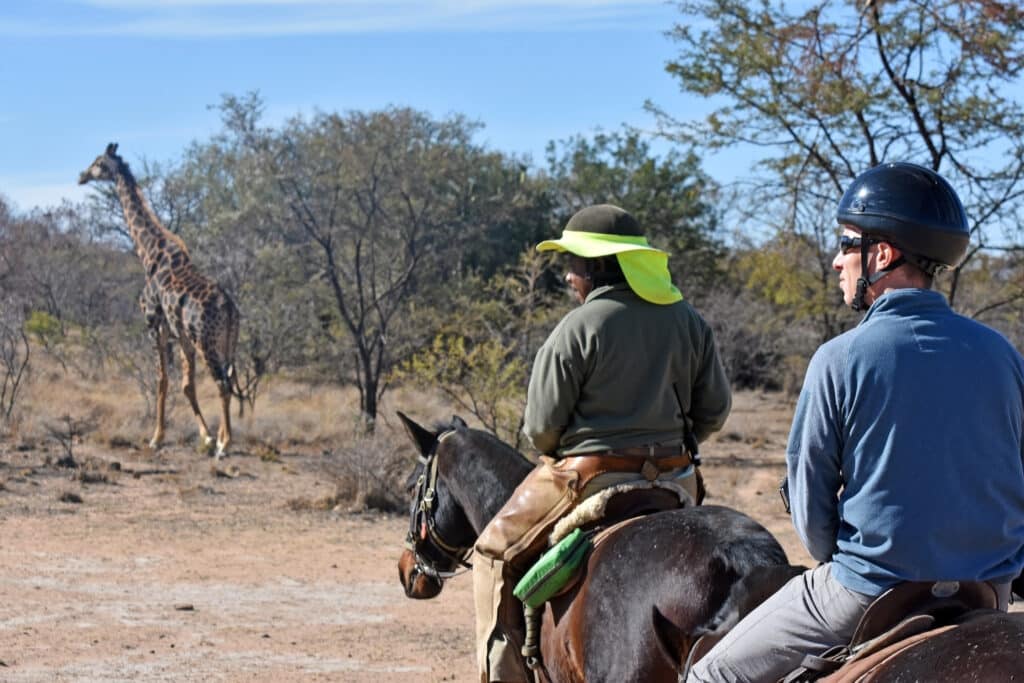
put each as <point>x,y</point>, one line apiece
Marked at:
<point>184,607</point>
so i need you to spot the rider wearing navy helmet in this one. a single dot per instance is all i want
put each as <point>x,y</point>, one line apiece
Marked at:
<point>904,461</point>
<point>910,207</point>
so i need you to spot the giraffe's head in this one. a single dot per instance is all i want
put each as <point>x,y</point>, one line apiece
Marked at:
<point>104,168</point>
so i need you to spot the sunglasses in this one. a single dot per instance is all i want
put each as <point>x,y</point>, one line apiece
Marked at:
<point>846,243</point>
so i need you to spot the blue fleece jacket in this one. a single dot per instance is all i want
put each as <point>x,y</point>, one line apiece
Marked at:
<point>905,455</point>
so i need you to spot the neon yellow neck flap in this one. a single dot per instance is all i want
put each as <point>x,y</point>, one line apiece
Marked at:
<point>645,268</point>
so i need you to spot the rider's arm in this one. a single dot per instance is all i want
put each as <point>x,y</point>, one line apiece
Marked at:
<point>711,397</point>
<point>813,458</point>
<point>553,391</point>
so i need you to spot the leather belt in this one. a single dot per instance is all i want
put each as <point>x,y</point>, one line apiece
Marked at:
<point>590,465</point>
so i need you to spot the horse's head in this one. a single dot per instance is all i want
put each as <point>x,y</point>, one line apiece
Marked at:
<point>440,537</point>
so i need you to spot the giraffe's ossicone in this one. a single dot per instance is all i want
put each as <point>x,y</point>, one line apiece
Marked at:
<point>179,303</point>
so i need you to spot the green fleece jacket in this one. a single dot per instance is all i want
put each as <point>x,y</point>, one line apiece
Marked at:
<point>608,377</point>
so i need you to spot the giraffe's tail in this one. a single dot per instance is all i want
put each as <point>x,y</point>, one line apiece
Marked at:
<point>230,371</point>
<point>231,376</point>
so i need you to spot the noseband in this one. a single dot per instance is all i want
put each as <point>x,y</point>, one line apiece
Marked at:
<point>423,531</point>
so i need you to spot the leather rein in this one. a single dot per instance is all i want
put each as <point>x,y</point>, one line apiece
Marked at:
<point>423,526</point>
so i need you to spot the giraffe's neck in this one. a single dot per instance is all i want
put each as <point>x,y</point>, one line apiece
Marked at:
<point>153,242</point>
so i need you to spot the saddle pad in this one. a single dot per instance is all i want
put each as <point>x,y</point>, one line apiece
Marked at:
<point>554,569</point>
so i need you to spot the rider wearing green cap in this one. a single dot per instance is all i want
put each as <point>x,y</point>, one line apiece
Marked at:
<point>622,390</point>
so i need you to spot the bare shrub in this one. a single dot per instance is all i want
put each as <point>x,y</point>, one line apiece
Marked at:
<point>68,431</point>
<point>14,359</point>
<point>369,472</point>
<point>759,348</point>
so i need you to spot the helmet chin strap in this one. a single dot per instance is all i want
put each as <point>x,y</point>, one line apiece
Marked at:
<point>865,281</point>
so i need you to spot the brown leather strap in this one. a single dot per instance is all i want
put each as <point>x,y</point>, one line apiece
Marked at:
<point>592,464</point>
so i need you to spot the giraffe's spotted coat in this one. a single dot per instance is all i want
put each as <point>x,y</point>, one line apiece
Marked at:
<point>178,301</point>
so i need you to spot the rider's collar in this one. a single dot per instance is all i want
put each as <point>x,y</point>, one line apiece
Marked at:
<point>603,290</point>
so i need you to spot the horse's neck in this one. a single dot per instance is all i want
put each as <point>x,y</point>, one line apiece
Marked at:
<point>489,472</point>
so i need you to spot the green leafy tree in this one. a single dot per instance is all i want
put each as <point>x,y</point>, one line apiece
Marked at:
<point>485,378</point>
<point>823,91</point>
<point>482,354</point>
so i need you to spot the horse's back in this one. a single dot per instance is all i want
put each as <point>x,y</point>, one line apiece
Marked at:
<point>682,562</point>
<point>673,567</point>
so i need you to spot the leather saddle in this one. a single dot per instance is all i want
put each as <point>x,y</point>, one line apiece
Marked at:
<point>899,617</point>
<point>621,508</point>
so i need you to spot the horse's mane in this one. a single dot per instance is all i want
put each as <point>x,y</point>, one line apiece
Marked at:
<point>479,437</point>
<point>487,469</point>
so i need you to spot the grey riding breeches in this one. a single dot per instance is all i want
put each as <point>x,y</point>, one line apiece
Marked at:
<point>810,614</point>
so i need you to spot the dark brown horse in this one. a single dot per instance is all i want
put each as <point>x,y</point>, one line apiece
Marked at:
<point>670,569</point>
<point>910,633</point>
<point>957,643</point>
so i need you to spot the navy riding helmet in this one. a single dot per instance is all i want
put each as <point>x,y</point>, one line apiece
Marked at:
<point>913,208</point>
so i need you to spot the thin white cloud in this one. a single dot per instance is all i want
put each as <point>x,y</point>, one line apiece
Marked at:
<point>264,18</point>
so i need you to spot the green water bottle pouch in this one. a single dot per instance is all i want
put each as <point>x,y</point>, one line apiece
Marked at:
<point>554,569</point>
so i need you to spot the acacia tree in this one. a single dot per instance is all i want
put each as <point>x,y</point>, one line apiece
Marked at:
<point>371,209</point>
<point>826,91</point>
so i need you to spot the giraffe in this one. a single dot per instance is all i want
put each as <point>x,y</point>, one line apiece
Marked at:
<point>179,303</point>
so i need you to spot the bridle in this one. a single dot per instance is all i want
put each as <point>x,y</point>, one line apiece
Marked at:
<point>423,533</point>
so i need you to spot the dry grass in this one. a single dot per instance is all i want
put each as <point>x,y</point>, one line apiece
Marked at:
<point>289,414</point>
<point>366,471</point>
<point>291,418</point>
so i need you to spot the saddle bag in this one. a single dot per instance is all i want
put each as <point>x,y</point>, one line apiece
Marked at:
<point>554,569</point>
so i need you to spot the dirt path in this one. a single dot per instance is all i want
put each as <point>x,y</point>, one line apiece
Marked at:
<point>178,573</point>
<point>173,569</point>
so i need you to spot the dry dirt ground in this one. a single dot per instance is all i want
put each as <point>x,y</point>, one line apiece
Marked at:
<point>168,566</point>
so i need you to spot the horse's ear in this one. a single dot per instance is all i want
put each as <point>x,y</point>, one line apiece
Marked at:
<point>423,438</point>
<point>111,149</point>
<point>459,422</point>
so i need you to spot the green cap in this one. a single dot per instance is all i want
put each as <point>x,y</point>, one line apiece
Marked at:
<point>603,230</point>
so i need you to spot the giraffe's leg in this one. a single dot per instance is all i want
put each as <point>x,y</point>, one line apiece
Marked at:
<point>188,386</point>
<point>221,375</point>
<point>159,335</point>
<point>224,432</point>
<point>218,350</point>
<point>159,332</point>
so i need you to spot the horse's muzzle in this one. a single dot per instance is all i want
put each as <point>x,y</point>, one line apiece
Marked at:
<point>417,585</point>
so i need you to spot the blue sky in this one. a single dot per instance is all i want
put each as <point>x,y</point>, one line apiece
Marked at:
<point>77,74</point>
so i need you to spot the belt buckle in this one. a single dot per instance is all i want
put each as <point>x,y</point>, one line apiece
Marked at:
<point>650,471</point>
